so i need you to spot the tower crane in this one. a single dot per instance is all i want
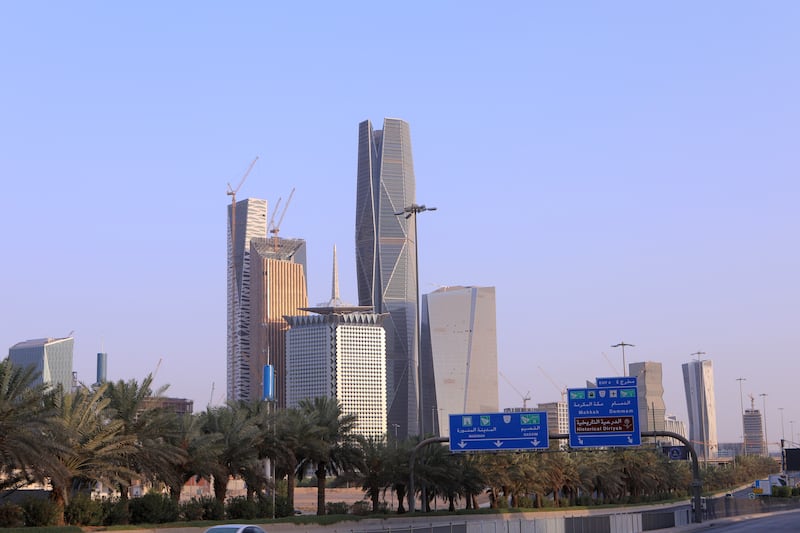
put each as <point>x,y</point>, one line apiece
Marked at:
<point>614,368</point>
<point>275,228</point>
<point>562,390</point>
<point>232,193</point>
<point>525,397</point>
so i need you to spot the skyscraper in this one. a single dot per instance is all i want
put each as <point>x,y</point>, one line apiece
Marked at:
<point>250,223</point>
<point>652,411</point>
<point>459,355</point>
<point>50,358</point>
<point>386,259</point>
<point>698,382</point>
<point>340,352</point>
<point>753,432</point>
<point>277,288</point>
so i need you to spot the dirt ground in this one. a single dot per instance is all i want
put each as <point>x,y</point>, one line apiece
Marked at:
<point>305,498</point>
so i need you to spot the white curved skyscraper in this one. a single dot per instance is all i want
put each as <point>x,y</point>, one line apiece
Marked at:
<point>698,381</point>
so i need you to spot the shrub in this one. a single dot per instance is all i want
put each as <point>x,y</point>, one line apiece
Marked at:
<point>336,508</point>
<point>41,513</point>
<point>11,515</point>
<point>153,508</point>
<point>213,509</point>
<point>779,491</point>
<point>191,511</point>
<point>361,508</point>
<point>282,507</point>
<point>241,508</point>
<point>84,511</point>
<point>115,512</point>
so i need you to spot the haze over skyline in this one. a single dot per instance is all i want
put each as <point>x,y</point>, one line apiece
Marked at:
<point>619,172</point>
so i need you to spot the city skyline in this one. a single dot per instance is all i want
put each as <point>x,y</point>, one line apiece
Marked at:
<point>617,172</point>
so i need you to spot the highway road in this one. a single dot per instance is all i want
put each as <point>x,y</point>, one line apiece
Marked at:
<point>781,522</point>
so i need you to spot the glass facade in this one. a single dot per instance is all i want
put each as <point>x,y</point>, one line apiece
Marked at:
<point>50,358</point>
<point>386,258</point>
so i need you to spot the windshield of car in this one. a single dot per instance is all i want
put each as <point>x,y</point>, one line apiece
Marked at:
<point>223,529</point>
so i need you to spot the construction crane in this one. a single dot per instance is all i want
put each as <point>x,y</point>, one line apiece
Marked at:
<point>275,228</point>
<point>562,390</point>
<point>525,397</point>
<point>616,372</point>
<point>232,193</point>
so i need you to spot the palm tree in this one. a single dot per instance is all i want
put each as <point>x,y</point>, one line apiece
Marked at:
<point>151,427</point>
<point>93,447</point>
<point>200,454</point>
<point>398,470</point>
<point>374,471</point>
<point>333,446</point>
<point>239,438</point>
<point>292,430</point>
<point>23,421</point>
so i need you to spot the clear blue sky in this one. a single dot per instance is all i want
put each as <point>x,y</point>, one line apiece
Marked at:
<point>618,170</point>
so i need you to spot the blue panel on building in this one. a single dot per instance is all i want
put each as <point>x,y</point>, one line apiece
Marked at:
<point>269,383</point>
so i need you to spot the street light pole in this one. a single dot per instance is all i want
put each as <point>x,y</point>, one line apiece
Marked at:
<point>623,344</point>
<point>766,440</point>
<point>408,212</point>
<point>741,407</point>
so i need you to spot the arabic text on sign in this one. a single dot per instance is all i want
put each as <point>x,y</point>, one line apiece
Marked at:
<point>604,424</point>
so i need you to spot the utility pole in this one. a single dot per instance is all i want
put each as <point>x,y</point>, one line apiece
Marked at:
<point>766,440</point>
<point>741,406</point>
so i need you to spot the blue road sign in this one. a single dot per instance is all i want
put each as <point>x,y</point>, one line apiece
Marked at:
<point>483,432</point>
<point>604,416</point>
<point>629,381</point>
<point>676,453</point>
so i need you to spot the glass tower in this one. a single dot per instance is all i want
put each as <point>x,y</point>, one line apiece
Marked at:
<point>50,358</point>
<point>386,259</point>
<point>698,382</point>
<point>247,222</point>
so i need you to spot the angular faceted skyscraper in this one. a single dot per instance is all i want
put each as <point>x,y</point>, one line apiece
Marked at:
<point>459,355</point>
<point>50,358</point>
<point>386,259</point>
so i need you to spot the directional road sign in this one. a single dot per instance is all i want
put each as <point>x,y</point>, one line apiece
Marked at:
<point>617,382</point>
<point>498,432</point>
<point>604,416</point>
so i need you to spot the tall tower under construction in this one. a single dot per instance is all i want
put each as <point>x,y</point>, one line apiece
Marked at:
<point>250,223</point>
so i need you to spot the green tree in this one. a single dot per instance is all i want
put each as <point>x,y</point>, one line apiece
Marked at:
<point>93,447</point>
<point>151,427</point>
<point>239,438</point>
<point>23,422</point>
<point>199,459</point>
<point>374,469</point>
<point>332,447</point>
